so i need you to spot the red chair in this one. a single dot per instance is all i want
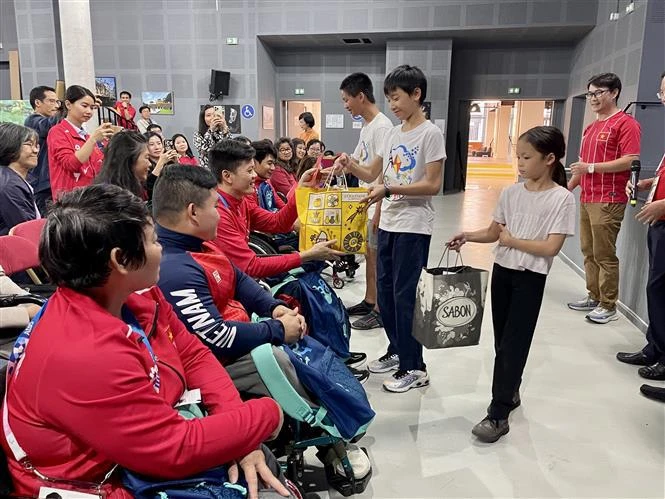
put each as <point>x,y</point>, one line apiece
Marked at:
<point>30,230</point>
<point>18,254</point>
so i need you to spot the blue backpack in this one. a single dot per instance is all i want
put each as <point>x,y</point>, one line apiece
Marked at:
<point>327,319</point>
<point>344,409</point>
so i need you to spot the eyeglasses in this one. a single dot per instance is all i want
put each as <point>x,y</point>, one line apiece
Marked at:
<point>596,94</point>
<point>285,149</point>
<point>660,95</point>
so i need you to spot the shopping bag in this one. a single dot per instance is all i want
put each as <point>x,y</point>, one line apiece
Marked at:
<point>449,305</point>
<point>332,213</point>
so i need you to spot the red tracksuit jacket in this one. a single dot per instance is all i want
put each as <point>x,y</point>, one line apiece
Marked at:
<point>83,399</point>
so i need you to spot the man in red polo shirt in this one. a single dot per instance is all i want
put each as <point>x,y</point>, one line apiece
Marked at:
<point>609,145</point>
<point>652,356</point>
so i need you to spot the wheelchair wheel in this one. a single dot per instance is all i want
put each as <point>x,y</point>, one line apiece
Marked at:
<point>338,282</point>
<point>260,246</point>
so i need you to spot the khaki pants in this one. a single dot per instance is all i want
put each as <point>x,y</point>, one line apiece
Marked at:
<point>599,228</point>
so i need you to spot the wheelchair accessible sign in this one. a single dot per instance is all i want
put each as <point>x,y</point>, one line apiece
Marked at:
<point>247,112</point>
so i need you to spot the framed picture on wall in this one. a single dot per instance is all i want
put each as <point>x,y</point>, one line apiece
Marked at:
<point>158,102</point>
<point>15,111</point>
<point>268,118</point>
<point>106,89</point>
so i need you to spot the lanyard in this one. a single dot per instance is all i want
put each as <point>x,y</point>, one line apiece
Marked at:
<point>135,327</point>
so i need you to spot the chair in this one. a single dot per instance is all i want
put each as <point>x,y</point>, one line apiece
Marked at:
<point>18,254</point>
<point>30,230</point>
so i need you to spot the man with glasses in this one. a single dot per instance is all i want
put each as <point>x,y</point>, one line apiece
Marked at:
<point>652,356</point>
<point>46,106</point>
<point>609,146</point>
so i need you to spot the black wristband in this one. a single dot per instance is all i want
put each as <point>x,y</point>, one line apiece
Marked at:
<point>387,192</point>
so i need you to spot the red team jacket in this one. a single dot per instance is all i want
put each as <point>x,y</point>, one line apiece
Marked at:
<point>84,398</point>
<point>65,170</point>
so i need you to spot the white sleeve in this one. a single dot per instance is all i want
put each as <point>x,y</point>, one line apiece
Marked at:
<point>435,148</point>
<point>564,219</point>
<point>500,210</point>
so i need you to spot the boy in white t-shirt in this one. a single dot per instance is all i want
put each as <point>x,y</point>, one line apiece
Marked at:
<point>411,160</point>
<point>358,97</point>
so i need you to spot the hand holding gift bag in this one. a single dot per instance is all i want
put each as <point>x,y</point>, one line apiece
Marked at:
<point>449,304</point>
<point>332,213</point>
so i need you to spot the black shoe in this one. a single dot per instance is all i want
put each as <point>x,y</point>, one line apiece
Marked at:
<point>490,430</point>
<point>653,393</point>
<point>635,359</point>
<point>362,308</point>
<point>655,372</point>
<point>361,375</point>
<point>356,360</point>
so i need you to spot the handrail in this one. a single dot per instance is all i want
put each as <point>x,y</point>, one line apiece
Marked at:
<point>642,104</point>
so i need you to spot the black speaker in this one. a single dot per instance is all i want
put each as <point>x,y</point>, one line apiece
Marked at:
<point>219,82</point>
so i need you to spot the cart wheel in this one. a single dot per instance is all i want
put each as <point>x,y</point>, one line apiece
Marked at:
<point>338,283</point>
<point>350,273</point>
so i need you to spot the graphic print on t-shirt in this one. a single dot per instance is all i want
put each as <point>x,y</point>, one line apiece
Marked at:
<point>403,162</point>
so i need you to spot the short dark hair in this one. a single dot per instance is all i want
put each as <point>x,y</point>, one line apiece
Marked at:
<point>228,154</point>
<point>406,78</point>
<point>142,108</point>
<point>356,83</point>
<point>12,138</point>
<point>263,148</point>
<point>242,139</point>
<point>120,157</point>
<point>178,186</point>
<point>84,226</point>
<point>308,118</point>
<point>328,153</point>
<point>315,141</point>
<point>189,152</point>
<point>39,93</point>
<point>150,135</point>
<point>606,80</point>
<point>77,92</point>
<point>152,126</point>
<point>125,92</point>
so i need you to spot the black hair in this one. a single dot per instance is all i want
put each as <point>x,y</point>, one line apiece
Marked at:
<point>78,92</point>
<point>203,128</point>
<point>406,78</point>
<point>549,140</point>
<point>12,138</point>
<point>294,143</point>
<point>120,157</point>
<point>242,139</point>
<point>356,83</point>
<point>39,93</point>
<point>126,93</point>
<point>606,80</point>
<point>328,153</point>
<point>142,108</point>
<point>263,148</point>
<point>228,154</point>
<point>188,152</point>
<point>149,135</point>
<point>178,187</point>
<point>152,126</point>
<point>308,118</point>
<point>305,164</point>
<point>662,75</point>
<point>315,141</point>
<point>283,140</point>
<point>84,226</point>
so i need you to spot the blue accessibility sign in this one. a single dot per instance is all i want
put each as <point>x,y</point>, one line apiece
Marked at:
<point>247,111</point>
<point>357,118</point>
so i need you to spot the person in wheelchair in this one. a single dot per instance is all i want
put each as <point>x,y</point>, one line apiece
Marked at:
<point>212,297</point>
<point>93,381</point>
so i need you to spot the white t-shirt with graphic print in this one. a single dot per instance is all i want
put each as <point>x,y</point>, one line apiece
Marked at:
<point>405,155</point>
<point>372,136</point>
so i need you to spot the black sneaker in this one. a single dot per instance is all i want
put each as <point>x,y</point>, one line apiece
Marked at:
<point>361,375</point>
<point>356,360</point>
<point>490,430</point>
<point>369,321</point>
<point>362,308</point>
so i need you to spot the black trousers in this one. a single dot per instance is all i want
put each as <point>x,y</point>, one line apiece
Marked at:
<point>655,349</point>
<point>516,299</point>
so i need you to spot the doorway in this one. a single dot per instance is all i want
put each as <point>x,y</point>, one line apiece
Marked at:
<point>494,126</point>
<point>291,109</point>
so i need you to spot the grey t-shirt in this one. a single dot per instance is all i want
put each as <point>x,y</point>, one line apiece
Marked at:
<point>533,215</point>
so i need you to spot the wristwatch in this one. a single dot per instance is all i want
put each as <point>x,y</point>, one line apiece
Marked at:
<point>591,167</point>
<point>387,192</point>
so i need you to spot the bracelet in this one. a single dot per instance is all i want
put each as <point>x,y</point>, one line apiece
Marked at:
<point>387,192</point>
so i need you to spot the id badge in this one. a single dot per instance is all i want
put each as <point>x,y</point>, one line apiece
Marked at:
<point>53,493</point>
<point>190,397</point>
<point>652,191</point>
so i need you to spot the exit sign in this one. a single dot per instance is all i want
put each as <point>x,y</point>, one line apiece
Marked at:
<point>299,91</point>
<point>514,90</point>
<point>232,41</point>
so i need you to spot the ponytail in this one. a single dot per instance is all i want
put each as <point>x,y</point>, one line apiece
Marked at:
<point>559,174</point>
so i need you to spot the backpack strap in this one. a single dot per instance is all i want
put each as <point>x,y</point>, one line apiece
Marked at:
<point>284,394</point>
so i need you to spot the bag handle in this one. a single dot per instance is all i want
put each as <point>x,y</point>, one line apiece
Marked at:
<point>446,254</point>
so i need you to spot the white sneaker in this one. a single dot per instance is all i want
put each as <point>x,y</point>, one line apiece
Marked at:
<point>403,381</point>
<point>602,315</point>
<point>359,462</point>
<point>583,305</point>
<point>389,362</point>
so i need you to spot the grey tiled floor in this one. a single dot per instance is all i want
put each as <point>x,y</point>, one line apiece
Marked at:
<point>583,430</point>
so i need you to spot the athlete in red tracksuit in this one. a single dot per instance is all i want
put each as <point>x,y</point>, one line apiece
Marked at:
<point>96,403</point>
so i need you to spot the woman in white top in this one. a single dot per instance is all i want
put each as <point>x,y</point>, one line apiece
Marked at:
<point>531,222</point>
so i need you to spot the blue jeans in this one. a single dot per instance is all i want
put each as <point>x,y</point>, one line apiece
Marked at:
<point>400,259</point>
